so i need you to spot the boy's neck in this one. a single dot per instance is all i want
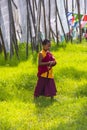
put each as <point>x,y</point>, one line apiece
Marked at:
<point>45,50</point>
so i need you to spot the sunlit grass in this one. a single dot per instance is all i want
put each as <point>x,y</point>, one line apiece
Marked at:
<point>19,111</point>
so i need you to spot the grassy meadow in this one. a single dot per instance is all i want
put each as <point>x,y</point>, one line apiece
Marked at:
<point>68,111</point>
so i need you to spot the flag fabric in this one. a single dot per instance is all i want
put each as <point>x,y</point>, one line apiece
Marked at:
<point>73,19</point>
<point>84,18</point>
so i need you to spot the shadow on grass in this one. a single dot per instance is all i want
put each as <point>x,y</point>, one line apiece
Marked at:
<point>14,61</point>
<point>77,122</point>
<point>71,126</point>
<point>25,87</point>
<point>4,94</point>
<point>81,91</point>
<point>26,81</point>
<point>73,73</point>
<point>21,88</point>
<point>42,102</point>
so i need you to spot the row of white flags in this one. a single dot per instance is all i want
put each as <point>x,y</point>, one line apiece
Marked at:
<point>20,18</point>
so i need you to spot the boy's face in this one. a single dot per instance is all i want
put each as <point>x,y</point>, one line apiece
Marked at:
<point>47,46</point>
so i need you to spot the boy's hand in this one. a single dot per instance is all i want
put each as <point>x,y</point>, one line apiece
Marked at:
<point>52,63</point>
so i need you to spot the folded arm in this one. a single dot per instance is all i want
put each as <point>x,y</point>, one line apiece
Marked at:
<point>40,62</point>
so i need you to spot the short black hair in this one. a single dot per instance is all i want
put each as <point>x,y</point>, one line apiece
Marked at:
<point>46,41</point>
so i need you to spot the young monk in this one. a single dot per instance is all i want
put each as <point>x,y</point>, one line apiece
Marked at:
<point>45,84</point>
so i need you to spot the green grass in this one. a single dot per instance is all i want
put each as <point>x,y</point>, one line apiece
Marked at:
<point>19,111</point>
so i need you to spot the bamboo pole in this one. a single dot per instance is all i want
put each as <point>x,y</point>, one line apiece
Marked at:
<point>39,37</point>
<point>66,11</point>
<point>66,5</point>
<point>14,4</point>
<point>72,7</point>
<point>56,24</point>
<point>33,4</point>
<point>36,4</point>
<point>13,38</point>
<point>53,33</point>
<point>33,18</point>
<point>10,26</point>
<point>33,23</point>
<point>3,44</point>
<point>78,5</point>
<point>73,16</point>
<point>49,17</point>
<point>14,34</point>
<point>0,47</point>
<point>30,27</point>
<point>60,21</point>
<point>27,30</point>
<point>43,5</point>
<point>38,26</point>
<point>84,6</point>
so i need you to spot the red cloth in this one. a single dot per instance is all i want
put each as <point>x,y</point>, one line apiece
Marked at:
<point>84,18</point>
<point>43,69</point>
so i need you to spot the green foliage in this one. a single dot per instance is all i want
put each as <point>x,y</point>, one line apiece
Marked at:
<point>68,111</point>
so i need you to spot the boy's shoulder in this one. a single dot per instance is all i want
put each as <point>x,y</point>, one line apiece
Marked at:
<point>43,53</point>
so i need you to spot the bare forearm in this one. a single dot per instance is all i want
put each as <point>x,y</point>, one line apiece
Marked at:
<point>44,63</point>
